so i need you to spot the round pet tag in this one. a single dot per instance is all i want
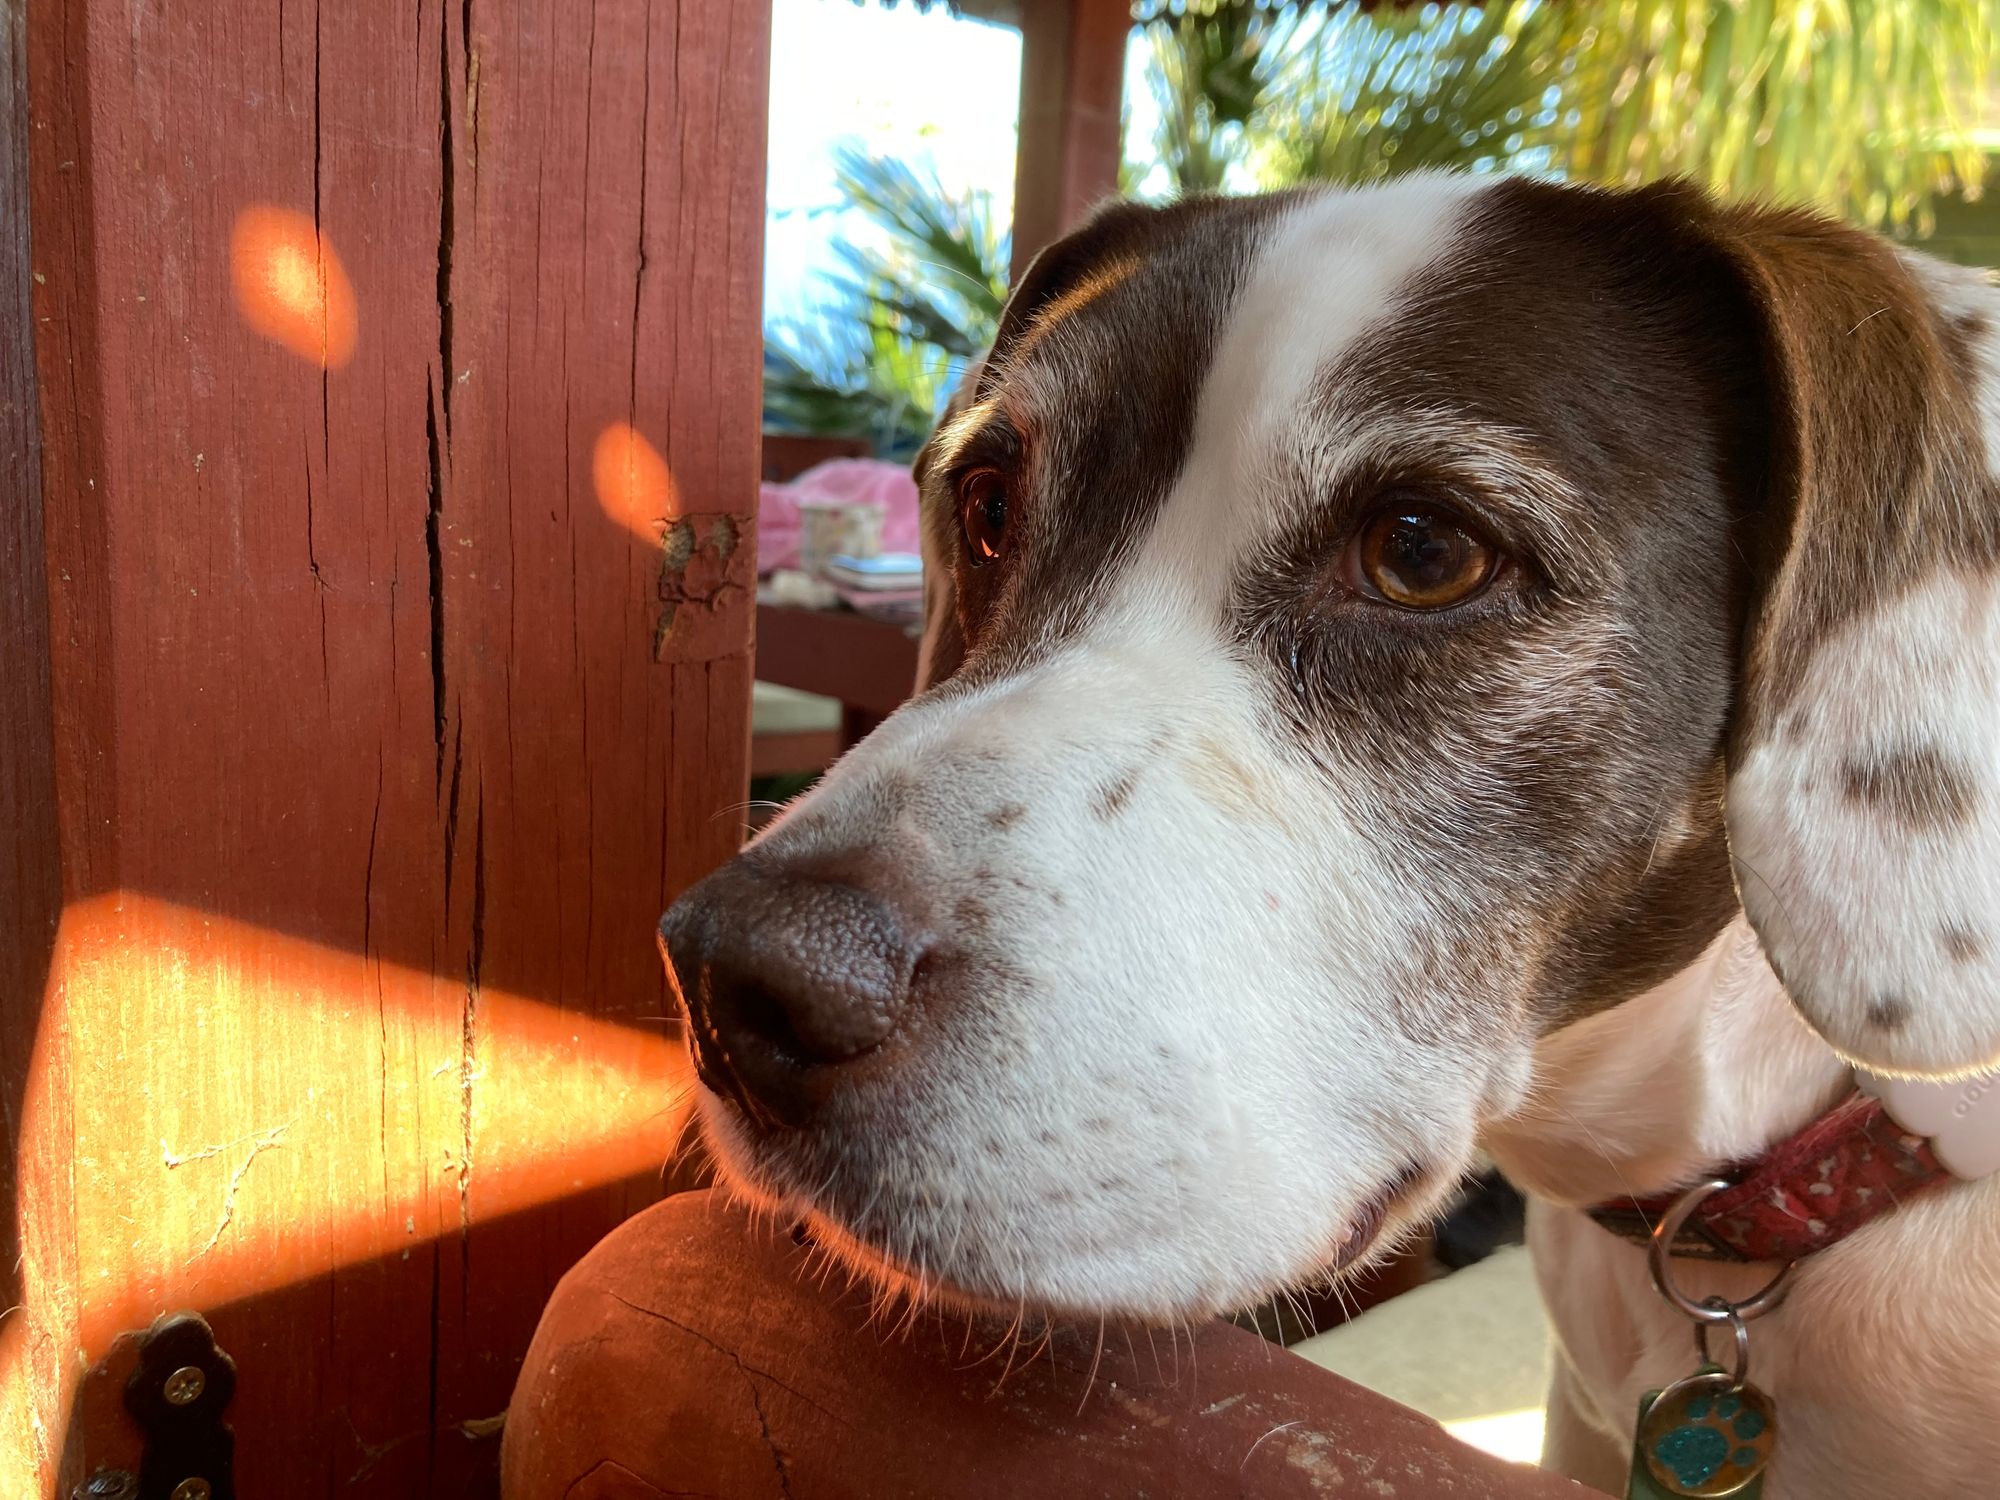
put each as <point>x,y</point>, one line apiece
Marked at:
<point>1701,1438</point>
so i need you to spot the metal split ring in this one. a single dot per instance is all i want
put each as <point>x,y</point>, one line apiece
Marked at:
<point>1711,1309</point>
<point>1740,1376</point>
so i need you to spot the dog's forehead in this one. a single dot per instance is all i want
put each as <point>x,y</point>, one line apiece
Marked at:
<point>1180,345</point>
<point>1188,354</point>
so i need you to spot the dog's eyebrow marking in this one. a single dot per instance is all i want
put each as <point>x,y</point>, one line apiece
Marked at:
<point>1922,788</point>
<point>955,434</point>
<point>1006,815</point>
<point>1961,944</point>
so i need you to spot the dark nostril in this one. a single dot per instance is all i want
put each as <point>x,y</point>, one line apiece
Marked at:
<point>763,1014</point>
<point>782,975</point>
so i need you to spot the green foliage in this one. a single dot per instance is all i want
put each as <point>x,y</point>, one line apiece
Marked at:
<point>1212,77</point>
<point>1866,107</point>
<point>882,352</point>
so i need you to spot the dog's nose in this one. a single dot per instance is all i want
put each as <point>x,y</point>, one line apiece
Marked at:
<point>784,976</point>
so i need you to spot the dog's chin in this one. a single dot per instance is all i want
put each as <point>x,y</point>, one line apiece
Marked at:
<point>1138,1284</point>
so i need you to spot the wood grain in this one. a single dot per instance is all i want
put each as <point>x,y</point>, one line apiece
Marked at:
<point>374,763</point>
<point>30,871</point>
<point>637,1387</point>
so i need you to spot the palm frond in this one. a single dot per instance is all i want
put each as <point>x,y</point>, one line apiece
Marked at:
<point>1865,107</point>
<point>892,332</point>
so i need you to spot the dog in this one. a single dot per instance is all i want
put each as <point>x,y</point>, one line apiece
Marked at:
<point>1463,663</point>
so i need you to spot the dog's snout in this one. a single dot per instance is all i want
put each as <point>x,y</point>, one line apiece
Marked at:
<point>784,976</point>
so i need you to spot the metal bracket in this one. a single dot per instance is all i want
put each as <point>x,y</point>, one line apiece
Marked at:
<point>177,1395</point>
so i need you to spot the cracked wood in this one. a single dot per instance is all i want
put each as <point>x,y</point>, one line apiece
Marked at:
<point>366,738</point>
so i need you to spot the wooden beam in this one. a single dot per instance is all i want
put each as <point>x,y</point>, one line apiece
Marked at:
<point>1072,98</point>
<point>396,386</point>
<point>34,1370</point>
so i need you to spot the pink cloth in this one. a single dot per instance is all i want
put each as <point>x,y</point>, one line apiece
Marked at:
<point>849,481</point>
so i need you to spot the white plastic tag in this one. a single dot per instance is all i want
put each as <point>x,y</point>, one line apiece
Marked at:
<point>1961,1120</point>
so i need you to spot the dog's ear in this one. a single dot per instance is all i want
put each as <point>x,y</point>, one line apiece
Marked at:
<point>1863,799</point>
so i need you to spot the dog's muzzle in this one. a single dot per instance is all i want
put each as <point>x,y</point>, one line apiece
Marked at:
<point>789,979</point>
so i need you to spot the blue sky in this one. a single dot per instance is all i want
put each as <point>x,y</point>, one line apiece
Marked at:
<point>920,87</point>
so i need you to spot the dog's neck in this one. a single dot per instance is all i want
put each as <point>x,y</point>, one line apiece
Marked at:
<point>1706,1069</point>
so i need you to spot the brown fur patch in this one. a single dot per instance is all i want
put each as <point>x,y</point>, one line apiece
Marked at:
<point>1889,1013</point>
<point>1231,786</point>
<point>1111,799</point>
<point>1961,944</point>
<point>1091,386</point>
<point>1922,788</point>
<point>1521,750</point>
<point>1877,465</point>
<point>1074,298</point>
<point>1006,816</point>
<point>1968,330</point>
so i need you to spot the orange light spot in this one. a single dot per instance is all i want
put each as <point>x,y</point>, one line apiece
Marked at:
<point>290,286</point>
<point>634,485</point>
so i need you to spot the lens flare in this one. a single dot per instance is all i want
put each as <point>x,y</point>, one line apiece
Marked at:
<point>290,285</point>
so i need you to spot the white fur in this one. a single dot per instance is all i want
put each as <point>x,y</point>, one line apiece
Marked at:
<point>1852,904</point>
<point>1881,1356</point>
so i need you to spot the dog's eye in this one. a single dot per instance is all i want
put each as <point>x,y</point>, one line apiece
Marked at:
<point>982,513</point>
<point>1417,558</point>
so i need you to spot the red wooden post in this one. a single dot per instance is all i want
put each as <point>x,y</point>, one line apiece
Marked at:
<point>1072,92</point>
<point>398,419</point>
<point>31,1361</point>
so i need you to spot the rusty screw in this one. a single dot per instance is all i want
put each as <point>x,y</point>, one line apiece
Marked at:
<point>108,1484</point>
<point>185,1385</point>
<point>192,1489</point>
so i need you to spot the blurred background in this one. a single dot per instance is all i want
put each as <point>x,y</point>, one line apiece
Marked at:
<point>893,134</point>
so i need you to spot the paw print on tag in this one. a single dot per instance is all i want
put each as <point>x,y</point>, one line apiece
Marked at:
<point>1706,1440</point>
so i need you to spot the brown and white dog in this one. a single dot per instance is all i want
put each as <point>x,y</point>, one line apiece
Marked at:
<point>1407,670</point>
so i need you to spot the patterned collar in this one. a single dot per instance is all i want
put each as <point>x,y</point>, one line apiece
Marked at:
<point>1850,1166</point>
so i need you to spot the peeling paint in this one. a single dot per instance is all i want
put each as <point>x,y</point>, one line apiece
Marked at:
<point>706,581</point>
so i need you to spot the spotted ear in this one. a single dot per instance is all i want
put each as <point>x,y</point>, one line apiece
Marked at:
<point>1863,798</point>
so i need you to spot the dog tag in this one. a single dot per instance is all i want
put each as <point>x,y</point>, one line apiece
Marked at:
<point>1698,1438</point>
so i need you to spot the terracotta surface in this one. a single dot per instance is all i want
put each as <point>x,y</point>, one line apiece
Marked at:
<point>378,704</point>
<point>686,1355</point>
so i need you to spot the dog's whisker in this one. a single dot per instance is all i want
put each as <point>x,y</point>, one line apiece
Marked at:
<point>1096,1358</point>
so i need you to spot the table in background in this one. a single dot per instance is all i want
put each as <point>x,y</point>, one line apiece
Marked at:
<point>868,664</point>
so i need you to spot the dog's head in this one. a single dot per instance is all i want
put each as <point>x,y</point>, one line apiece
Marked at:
<point>1368,631</point>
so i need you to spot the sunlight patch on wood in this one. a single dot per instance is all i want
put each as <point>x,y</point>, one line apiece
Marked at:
<point>290,285</point>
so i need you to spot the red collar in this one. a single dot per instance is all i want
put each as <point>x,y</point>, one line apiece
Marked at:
<point>1851,1165</point>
